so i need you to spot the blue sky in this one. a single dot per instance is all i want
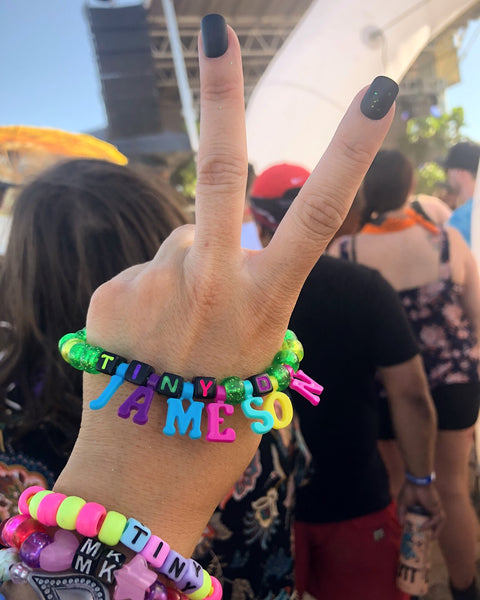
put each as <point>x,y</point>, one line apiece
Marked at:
<point>49,75</point>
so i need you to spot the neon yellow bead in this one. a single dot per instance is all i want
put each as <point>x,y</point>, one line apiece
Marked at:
<point>274,381</point>
<point>35,502</point>
<point>68,512</point>
<point>112,528</point>
<point>203,591</point>
<point>294,346</point>
<point>286,406</point>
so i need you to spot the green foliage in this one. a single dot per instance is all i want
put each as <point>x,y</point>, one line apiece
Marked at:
<point>426,141</point>
<point>184,178</point>
<point>428,176</point>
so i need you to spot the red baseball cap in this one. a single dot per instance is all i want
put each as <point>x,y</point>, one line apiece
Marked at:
<point>278,179</point>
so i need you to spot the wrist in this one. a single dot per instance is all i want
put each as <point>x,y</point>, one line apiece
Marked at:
<point>426,480</point>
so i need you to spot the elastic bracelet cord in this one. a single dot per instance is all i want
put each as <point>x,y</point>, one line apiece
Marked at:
<point>39,510</point>
<point>259,395</point>
<point>420,480</point>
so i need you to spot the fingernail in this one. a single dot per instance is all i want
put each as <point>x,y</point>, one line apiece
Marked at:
<point>214,35</point>
<point>379,98</point>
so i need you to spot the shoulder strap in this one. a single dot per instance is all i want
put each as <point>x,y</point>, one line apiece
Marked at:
<point>418,208</point>
<point>344,253</point>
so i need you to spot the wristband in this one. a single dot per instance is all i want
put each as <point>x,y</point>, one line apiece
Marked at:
<point>421,480</point>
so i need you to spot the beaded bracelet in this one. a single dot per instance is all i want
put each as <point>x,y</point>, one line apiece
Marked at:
<point>92,359</point>
<point>40,508</point>
<point>282,373</point>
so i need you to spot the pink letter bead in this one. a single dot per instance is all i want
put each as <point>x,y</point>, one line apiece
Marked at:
<point>48,507</point>
<point>90,519</point>
<point>215,420</point>
<point>135,535</point>
<point>155,551</point>
<point>26,496</point>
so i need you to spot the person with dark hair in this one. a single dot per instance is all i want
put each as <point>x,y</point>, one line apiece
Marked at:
<point>74,227</point>
<point>352,325</point>
<point>436,276</point>
<point>461,165</point>
<point>203,314</point>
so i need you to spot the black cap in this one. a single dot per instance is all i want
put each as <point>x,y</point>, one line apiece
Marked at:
<point>464,155</point>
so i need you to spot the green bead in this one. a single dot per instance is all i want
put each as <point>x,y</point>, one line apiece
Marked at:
<point>235,390</point>
<point>281,374</point>
<point>65,338</point>
<point>286,357</point>
<point>294,346</point>
<point>90,358</point>
<point>75,356</point>
<point>82,334</point>
<point>290,335</point>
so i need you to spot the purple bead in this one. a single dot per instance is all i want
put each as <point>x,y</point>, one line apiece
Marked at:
<point>157,591</point>
<point>19,573</point>
<point>31,548</point>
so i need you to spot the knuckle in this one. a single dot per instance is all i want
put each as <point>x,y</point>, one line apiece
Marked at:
<point>221,167</point>
<point>321,217</point>
<point>356,153</point>
<point>219,89</point>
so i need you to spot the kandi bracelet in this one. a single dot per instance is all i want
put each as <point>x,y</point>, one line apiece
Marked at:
<point>258,396</point>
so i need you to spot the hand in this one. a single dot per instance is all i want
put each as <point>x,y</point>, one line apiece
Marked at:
<point>428,497</point>
<point>205,306</point>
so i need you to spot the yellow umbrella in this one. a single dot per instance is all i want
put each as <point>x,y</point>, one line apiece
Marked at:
<point>24,151</point>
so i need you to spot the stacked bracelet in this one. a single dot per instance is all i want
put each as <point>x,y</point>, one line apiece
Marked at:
<point>93,555</point>
<point>262,390</point>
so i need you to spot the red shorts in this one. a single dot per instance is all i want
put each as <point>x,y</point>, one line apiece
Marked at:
<point>353,559</point>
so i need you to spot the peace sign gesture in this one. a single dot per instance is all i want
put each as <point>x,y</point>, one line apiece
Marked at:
<point>205,306</point>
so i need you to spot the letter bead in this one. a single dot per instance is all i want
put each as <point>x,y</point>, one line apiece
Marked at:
<point>138,372</point>
<point>174,566</point>
<point>108,363</point>
<point>135,535</point>
<point>109,561</point>
<point>192,579</point>
<point>87,556</point>
<point>261,384</point>
<point>170,385</point>
<point>156,551</point>
<point>204,388</point>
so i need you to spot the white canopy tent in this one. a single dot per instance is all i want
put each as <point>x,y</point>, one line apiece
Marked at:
<point>336,49</point>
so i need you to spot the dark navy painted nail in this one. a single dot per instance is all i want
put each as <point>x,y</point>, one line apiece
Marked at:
<point>379,98</point>
<point>214,35</point>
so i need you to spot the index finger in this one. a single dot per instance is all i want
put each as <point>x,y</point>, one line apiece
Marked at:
<point>322,204</point>
<point>222,155</point>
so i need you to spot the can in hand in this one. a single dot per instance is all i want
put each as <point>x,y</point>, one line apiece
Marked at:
<point>414,560</point>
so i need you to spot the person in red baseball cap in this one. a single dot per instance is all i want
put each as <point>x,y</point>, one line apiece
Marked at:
<point>347,533</point>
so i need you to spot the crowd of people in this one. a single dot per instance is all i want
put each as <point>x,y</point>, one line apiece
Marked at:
<point>283,477</point>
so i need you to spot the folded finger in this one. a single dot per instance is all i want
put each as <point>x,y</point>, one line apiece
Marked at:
<point>324,200</point>
<point>222,156</point>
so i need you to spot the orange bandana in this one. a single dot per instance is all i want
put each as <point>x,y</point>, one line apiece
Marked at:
<point>409,218</point>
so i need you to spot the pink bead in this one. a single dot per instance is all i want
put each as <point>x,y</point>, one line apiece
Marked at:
<point>25,529</point>
<point>48,507</point>
<point>217,592</point>
<point>26,496</point>
<point>9,527</point>
<point>58,556</point>
<point>155,551</point>
<point>90,519</point>
<point>221,394</point>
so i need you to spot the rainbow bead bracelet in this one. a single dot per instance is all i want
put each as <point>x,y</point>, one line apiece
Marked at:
<point>257,395</point>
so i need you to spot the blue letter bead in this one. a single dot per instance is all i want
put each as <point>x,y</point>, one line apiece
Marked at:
<point>108,363</point>
<point>115,382</point>
<point>170,385</point>
<point>192,579</point>
<point>204,387</point>
<point>135,535</point>
<point>138,372</point>
<point>174,566</point>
